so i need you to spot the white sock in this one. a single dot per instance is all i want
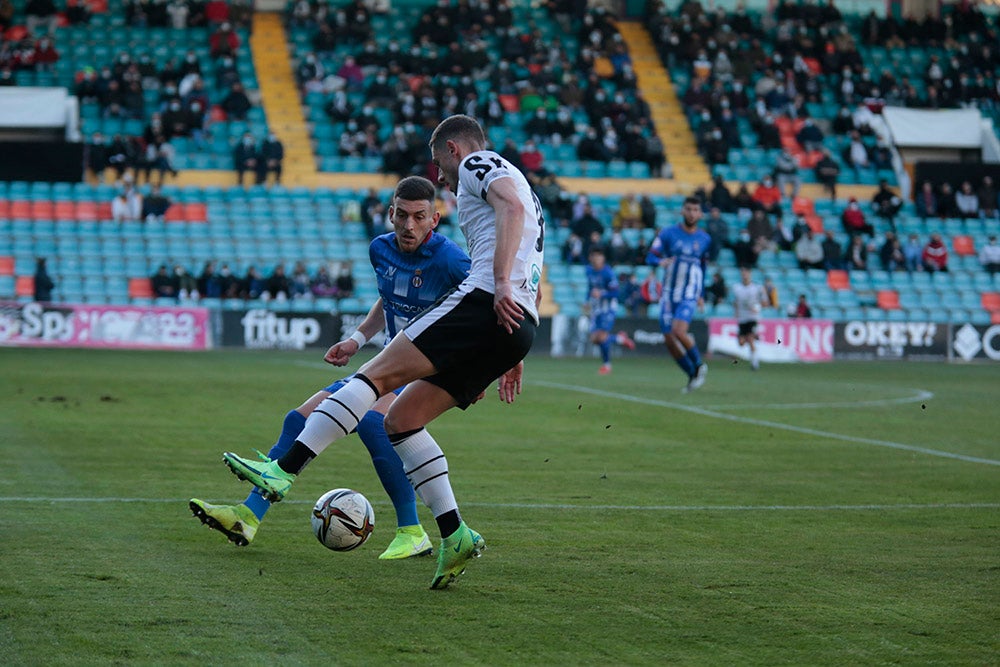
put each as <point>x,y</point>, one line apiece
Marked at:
<point>338,415</point>
<point>427,469</point>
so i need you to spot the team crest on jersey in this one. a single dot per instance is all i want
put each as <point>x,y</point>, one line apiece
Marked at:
<point>417,280</point>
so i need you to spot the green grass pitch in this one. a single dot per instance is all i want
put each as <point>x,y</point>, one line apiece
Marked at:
<point>829,514</point>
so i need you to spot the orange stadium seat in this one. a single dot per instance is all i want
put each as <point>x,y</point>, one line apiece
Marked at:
<point>20,209</point>
<point>963,245</point>
<point>42,210</point>
<point>803,206</point>
<point>175,213</point>
<point>25,286</point>
<point>4,208</point>
<point>140,288</point>
<point>888,299</point>
<point>510,103</point>
<point>815,223</point>
<point>64,210</point>
<point>104,211</point>
<point>990,301</point>
<point>86,210</point>
<point>838,279</point>
<point>6,265</point>
<point>195,212</point>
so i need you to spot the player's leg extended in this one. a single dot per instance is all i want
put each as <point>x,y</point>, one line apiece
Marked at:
<point>427,469</point>
<point>338,415</point>
<point>410,538</point>
<point>699,368</point>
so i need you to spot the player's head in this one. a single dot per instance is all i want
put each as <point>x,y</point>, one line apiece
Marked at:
<point>453,139</point>
<point>691,210</point>
<point>412,212</point>
<point>745,276</point>
<point>596,257</point>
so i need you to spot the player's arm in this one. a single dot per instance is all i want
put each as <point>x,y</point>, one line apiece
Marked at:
<point>502,196</point>
<point>656,255</point>
<point>340,353</point>
<point>509,384</point>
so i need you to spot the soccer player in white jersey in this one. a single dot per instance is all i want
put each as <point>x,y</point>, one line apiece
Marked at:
<point>748,298</point>
<point>453,351</point>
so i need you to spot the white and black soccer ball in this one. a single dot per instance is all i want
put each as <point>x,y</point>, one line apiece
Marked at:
<point>342,519</point>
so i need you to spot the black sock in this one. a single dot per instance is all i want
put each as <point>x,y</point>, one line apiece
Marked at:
<point>296,458</point>
<point>448,522</point>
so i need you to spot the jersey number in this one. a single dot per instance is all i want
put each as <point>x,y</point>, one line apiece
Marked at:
<point>481,167</point>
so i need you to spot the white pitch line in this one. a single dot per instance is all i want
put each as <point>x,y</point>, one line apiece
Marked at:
<point>577,507</point>
<point>769,424</point>
<point>921,396</point>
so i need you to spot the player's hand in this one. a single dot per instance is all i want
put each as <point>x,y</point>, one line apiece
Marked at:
<point>340,353</point>
<point>509,314</point>
<point>509,384</point>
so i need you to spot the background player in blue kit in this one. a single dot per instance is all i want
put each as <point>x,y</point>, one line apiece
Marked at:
<point>682,251</point>
<point>602,296</point>
<point>414,267</point>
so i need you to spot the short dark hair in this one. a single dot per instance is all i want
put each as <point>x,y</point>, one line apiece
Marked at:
<point>415,188</point>
<point>692,200</point>
<point>459,127</point>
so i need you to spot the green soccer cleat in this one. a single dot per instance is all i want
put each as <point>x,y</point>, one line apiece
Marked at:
<point>266,475</point>
<point>409,541</point>
<point>236,522</point>
<point>455,552</point>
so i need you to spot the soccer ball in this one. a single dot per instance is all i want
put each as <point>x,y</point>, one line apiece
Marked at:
<point>342,519</point>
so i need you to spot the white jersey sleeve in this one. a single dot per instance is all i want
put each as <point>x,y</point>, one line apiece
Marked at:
<point>477,219</point>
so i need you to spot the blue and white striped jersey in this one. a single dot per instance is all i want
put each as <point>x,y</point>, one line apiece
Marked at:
<point>684,278</point>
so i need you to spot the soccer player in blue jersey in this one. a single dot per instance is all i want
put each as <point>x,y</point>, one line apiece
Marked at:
<point>682,251</point>
<point>602,299</point>
<point>414,267</point>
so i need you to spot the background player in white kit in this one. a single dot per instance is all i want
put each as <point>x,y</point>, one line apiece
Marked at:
<point>450,353</point>
<point>748,299</point>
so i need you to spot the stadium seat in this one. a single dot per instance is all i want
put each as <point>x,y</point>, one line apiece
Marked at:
<point>24,286</point>
<point>6,265</point>
<point>963,245</point>
<point>887,299</point>
<point>140,288</point>
<point>990,301</point>
<point>838,279</point>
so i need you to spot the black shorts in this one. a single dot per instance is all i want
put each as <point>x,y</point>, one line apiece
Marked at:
<point>747,328</point>
<point>460,336</point>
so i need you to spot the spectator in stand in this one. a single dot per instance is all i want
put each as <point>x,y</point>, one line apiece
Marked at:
<point>6,15</point>
<point>745,252</point>
<point>856,155</point>
<point>41,13</point>
<point>967,201</point>
<point>833,257</point>
<point>718,229</point>
<point>886,203</point>
<point>784,235</point>
<point>935,255</point>
<point>245,157</point>
<point>122,155</point>
<point>209,284</point>
<point>761,231</point>
<point>809,251</point>
<point>187,285</point>
<point>802,310</point>
<point>786,172</point>
<point>989,255</point>
<point>913,253</point>
<point>947,207</point>
<point>252,285</point>
<point>810,137</point>
<point>97,155</point>
<point>216,12</point>
<point>925,201</point>
<point>160,156</point>
<point>854,221</point>
<point>300,281</point>
<point>236,104</point>
<point>46,55</point>
<point>890,253</point>
<point>178,12</point>
<point>269,159</point>
<point>629,213</point>
<point>648,209</point>
<point>587,223</point>
<point>164,285</point>
<point>223,42</point>
<point>716,291</point>
<point>768,197</point>
<point>345,281</point>
<point>43,282</point>
<point>827,172</point>
<point>322,284</point>
<point>856,253</point>
<point>572,249</point>
<point>155,205</point>
<point>277,286</point>
<point>987,194</point>
<point>352,75</point>
<point>720,197</point>
<point>127,204</point>
<point>532,160</point>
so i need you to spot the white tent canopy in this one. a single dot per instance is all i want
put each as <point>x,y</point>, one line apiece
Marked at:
<point>944,128</point>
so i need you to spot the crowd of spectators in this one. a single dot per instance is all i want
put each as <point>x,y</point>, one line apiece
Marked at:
<point>334,280</point>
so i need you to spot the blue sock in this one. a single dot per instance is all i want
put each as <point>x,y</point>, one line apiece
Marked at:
<point>685,364</point>
<point>606,350</point>
<point>389,468</point>
<point>694,356</point>
<point>290,429</point>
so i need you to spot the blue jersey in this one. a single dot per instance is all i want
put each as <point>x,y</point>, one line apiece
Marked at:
<point>605,281</point>
<point>684,277</point>
<point>411,282</point>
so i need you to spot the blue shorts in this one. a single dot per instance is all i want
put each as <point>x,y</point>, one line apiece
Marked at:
<point>602,320</point>
<point>676,310</point>
<point>340,383</point>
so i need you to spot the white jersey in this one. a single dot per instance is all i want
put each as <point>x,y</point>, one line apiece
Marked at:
<point>477,219</point>
<point>747,300</point>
